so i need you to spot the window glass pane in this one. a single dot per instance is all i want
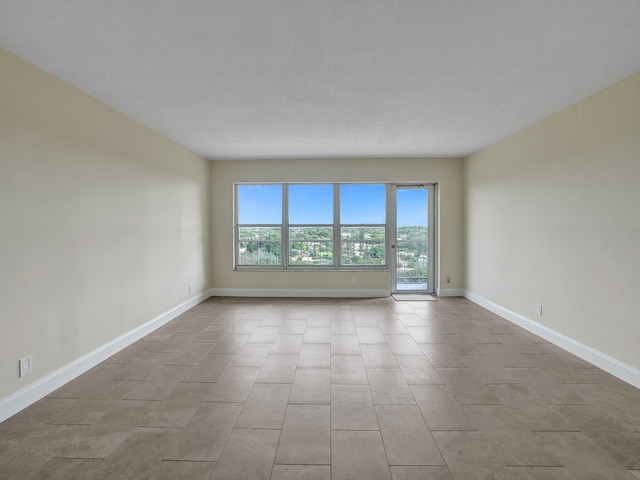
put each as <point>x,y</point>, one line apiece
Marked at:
<point>311,246</point>
<point>259,204</point>
<point>260,246</point>
<point>412,238</point>
<point>412,207</point>
<point>362,204</point>
<point>310,204</point>
<point>363,245</point>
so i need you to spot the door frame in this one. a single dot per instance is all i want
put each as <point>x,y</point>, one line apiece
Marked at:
<point>432,194</point>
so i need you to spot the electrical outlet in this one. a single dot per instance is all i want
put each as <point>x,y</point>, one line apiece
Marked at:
<point>354,280</point>
<point>24,366</point>
<point>448,279</point>
<point>539,309</point>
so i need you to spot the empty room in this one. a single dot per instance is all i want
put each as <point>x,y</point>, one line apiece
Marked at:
<point>320,240</point>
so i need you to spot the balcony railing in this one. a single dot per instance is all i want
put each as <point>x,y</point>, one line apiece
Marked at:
<point>412,265</point>
<point>311,252</point>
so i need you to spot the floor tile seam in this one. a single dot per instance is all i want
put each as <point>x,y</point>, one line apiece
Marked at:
<point>453,429</point>
<point>52,397</point>
<point>355,429</point>
<point>424,383</point>
<point>304,403</point>
<point>490,384</point>
<point>238,427</point>
<point>180,364</point>
<point>79,458</point>
<point>187,460</point>
<point>338,382</point>
<point>393,369</point>
<point>142,399</point>
<point>581,383</point>
<point>158,428</point>
<point>69,424</point>
<point>547,430</point>
<point>126,379</point>
<point>453,368</point>
<point>402,354</point>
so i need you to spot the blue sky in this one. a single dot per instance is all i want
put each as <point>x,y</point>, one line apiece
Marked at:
<point>412,207</point>
<point>259,204</point>
<point>359,204</point>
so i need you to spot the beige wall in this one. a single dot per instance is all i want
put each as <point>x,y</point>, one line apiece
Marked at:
<point>552,216</point>
<point>104,224</point>
<point>446,172</point>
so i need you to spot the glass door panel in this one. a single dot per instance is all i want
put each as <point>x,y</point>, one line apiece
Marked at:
<point>412,248</point>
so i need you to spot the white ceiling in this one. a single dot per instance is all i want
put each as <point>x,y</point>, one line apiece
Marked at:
<point>330,78</point>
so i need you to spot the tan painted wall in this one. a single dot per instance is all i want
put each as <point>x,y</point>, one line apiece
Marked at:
<point>446,172</point>
<point>103,223</point>
<point>553,216</point>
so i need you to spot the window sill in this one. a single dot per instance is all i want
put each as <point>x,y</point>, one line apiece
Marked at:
<point>310,269</point>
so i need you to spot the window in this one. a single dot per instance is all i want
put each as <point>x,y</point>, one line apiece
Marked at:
<point>363,224</point>
<point>310,224</point>
<point>259,225</point>
<point>316,226</point>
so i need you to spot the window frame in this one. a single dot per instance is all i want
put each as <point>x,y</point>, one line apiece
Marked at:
<point>285,227</point>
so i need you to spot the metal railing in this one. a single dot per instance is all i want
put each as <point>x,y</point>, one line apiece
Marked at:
<point>412,265</point>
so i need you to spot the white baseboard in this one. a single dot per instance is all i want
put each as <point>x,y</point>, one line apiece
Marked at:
<point>298,292</point>
<point>601,360</point>
<point>450,292</point>
<point>44,386</point>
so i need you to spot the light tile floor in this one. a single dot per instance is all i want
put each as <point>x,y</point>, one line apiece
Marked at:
<point>332,389</point>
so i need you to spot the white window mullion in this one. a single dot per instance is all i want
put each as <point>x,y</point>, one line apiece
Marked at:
<point>285,225</point>
<point>236,228</point>
<point>337,238</point>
